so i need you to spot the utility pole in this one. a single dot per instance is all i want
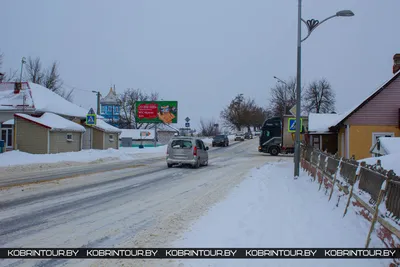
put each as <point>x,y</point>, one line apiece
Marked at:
<point>23,61</point>
<point>98,101</point>
<point>298,96</point>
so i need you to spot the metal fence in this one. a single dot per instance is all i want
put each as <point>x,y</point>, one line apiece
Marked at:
<point>370,177</point>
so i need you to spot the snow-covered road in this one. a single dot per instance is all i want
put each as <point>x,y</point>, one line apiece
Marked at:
<point>145,206</point>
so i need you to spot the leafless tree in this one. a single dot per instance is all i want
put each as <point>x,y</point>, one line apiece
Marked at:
<point>208,127</point>
<point>51,78</point>
<point>1,60</point>
<point>319,97</point>
<point>34,71</point>
<point>128,101</point>
<point>243,113</point>
<point>283,96</point>
<point>11,75</point>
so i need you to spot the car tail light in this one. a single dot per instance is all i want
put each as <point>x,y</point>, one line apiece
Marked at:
<point>195,151</point>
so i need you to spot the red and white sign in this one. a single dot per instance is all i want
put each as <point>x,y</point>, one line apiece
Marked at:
<point>147,111</point>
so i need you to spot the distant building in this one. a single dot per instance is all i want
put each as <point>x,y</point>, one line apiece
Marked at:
<point>110,108</point>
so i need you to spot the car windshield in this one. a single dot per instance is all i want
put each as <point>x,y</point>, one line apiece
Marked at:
<point>220,136</point>
<point>181,144</point>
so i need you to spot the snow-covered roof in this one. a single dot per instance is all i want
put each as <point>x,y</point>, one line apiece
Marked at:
<point>110,98</point>
<point>38,98</point>
<point>346,114</point>
<point>53,122</point>
<point>321,122</point>
<point>390,144</point>
<point>135,134</point>
<point>9,122</point>
<point>105,127</point>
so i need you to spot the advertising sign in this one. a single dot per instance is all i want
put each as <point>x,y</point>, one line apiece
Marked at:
<point>156,112</point>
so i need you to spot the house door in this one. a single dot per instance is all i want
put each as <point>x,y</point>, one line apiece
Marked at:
<point>375,137</point>
<point>7,136</point>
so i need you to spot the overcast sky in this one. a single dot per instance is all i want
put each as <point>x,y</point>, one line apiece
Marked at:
<point>202,53</point>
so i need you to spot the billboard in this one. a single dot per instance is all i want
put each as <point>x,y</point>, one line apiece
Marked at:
<point>156,111</point>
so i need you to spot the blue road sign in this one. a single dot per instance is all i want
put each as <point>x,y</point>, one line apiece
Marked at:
<point>91,111</point>
<point>91,119</point>
<point>187,125</point>
<point>292,125</point>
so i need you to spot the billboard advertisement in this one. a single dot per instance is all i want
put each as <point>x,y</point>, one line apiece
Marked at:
<point>156,112</point>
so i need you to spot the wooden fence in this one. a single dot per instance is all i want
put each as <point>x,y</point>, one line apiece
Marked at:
<point>355,179</point>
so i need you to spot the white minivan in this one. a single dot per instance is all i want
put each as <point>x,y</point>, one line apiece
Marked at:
<point>184,150</point>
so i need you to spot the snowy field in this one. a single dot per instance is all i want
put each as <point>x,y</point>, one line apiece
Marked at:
<point>270,209</point>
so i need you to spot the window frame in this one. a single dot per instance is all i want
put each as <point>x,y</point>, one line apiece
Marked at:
<point>69,139</point>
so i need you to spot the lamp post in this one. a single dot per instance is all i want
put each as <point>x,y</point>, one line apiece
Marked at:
<point>23,61</point>
<point>279,80</point>
<point>311,26</point>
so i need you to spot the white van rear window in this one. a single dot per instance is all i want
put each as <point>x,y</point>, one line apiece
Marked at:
<point>179,144</point>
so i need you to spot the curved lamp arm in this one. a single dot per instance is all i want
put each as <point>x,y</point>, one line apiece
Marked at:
<point>313,23</point>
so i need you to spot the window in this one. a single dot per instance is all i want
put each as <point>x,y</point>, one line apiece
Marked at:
<point>179,144</point>
<point>110,109</point>
<point>69,137</point>
<point>203,145</point>
<point>111,137</point>
<point>199,144</point>
<point>116,109</point>
<point>103,109</point>
<point>267,133</point>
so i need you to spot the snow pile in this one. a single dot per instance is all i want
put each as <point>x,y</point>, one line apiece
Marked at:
<point>104,126</point>
<point>388,162</point>
<point>272,210</point>
<point>318,122</point>
<point>54,122</point>
<point>9,122</point>
<point>390,144</point>
<point>15,157</point>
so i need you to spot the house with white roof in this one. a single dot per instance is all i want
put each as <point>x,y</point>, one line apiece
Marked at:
<point>35,100</point>
<point>376,116</point>
<point>48,133</point>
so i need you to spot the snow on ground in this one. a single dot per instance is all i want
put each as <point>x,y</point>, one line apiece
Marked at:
<point>388,162</point>
<point>271,210</point>
<point>123,153</point>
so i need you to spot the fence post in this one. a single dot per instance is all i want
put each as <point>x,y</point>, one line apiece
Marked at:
<point>357,175</point>
<point>334,179</point>
<point>311,157</point>
<point>324,171</point>
<point>380,197</point>
<point>317,169</point>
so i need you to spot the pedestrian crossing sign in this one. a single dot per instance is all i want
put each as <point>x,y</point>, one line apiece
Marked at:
<point>91,117</point>
<point>292,125</point>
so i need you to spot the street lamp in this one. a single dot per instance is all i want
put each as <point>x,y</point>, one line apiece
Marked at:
<point>311,26</point>
<point>23,61</point>
<point>279,80</point>
<point>98,101</point>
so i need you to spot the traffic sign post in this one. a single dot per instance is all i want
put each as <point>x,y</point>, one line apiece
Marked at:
<point>292,125</point>
<point>91,117</point>
<point>187,125</point>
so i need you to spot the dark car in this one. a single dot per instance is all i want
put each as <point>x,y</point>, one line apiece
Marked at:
<point>248,135</point>
<point>220,140</point>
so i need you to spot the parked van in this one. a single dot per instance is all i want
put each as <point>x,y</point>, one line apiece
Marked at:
<point>187,151</point>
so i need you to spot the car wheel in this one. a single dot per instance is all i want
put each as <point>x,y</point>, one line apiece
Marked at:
<point>169,165</point>
<point>197,164</point>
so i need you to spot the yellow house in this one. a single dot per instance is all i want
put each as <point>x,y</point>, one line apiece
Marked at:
<point>377,116</point>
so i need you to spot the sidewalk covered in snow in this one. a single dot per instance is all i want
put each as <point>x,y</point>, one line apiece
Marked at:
<point>272,210</point>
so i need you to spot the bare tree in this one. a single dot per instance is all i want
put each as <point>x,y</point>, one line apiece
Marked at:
<point>51,78</point>
<point>34,71</point>
<point>128,101</point>
<point>208,127</point>
<point>319,97</point>
<point>243,112</point>
<point>1,60</point>
<point>11,75</point>
<point>283,97</point>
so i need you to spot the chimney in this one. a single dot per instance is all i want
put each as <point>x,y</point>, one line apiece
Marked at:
<point>396,63</point>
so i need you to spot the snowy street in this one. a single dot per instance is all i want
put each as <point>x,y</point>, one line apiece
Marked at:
<point>146,206</point>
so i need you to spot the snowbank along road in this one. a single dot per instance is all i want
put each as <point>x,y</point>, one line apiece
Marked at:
<point>147,206</point>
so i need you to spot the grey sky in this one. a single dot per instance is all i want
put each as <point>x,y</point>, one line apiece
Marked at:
<point>202,53</point>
